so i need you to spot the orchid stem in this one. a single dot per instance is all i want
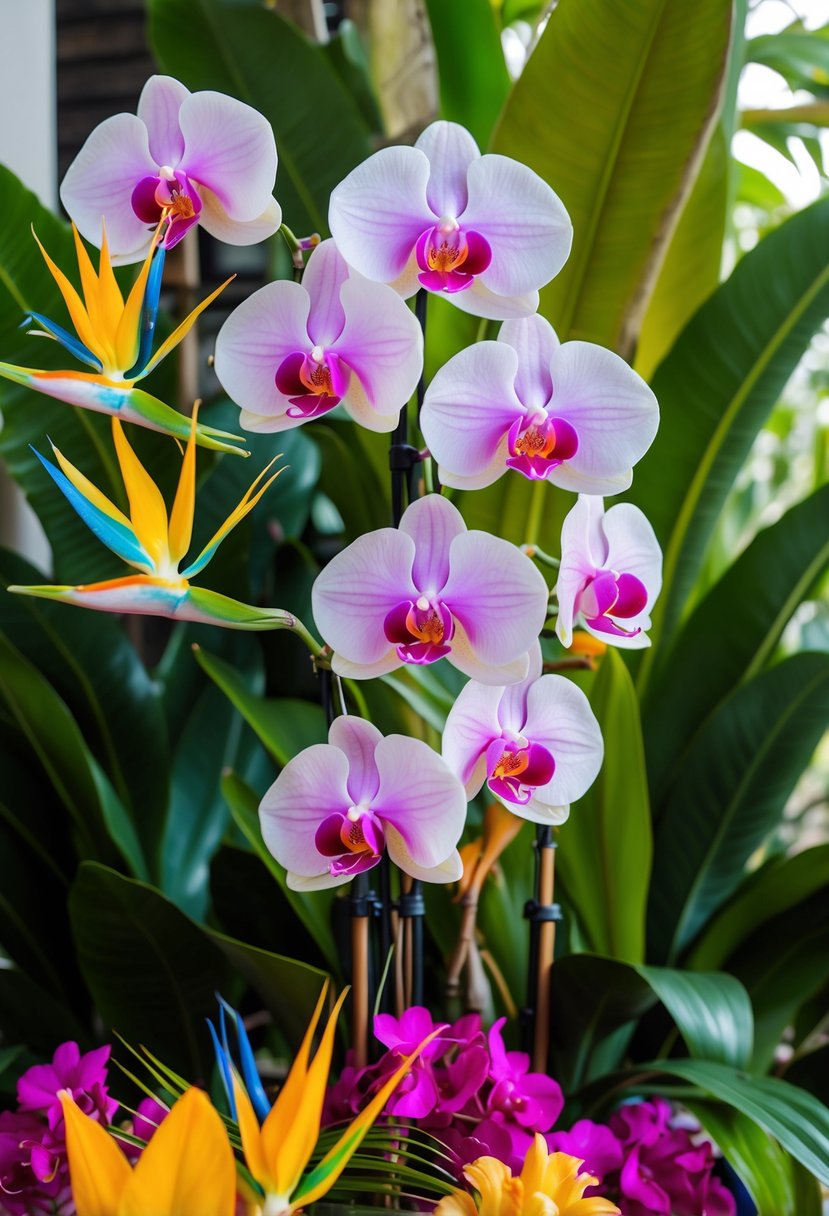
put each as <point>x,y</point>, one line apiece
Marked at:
<point>540,556</point>
<point>308,638</point>
<point>534,513</point>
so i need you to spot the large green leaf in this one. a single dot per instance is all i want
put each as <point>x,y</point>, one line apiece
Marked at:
<point>799,1122</point>
<point>768,1173</point>
<point>598,114</point>
<point>605,846</point>
<point>246,49</point>
<point>473,82</point>
<point>285,726</point>
<point>90,663</point>
<point>733,632</point>
<point>593,997</point>
<point>717,387</point>
<point>729,792</point>
<point>102,826</point>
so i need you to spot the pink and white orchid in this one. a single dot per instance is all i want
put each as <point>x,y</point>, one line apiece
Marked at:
<point>291,351</point>
<point>427,590</point>
<point>485,231</point>
<point>573,413</point>
<point>337,806</point>
<point>610,574</point>
<point>536,744</point>
<point>189,158</point>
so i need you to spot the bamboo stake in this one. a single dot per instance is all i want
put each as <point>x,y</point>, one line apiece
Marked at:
<point>546,950</point>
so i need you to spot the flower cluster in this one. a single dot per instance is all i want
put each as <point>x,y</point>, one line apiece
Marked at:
<point>34,1172</point>
<point>648,1164</point>
<point>466,1088</point>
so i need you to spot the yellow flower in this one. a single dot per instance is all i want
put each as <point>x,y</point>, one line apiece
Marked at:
<point>187,1169</point>
<point>549,1185</point>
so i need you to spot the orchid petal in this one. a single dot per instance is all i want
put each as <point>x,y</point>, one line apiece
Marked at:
<point>451,150</point>
<point>127,402</point>
<point>560,718</point>
<point>324,276</point>
<point>357,589</point>
<point>257,336</point>
<point>633,547</point>
<point>535,342</point>
<point>538,810</point>
<point>187,1169</point>
<point>447,871</point>
<point>215,220</point>
<point>310,787</point>
<point>471,726</point>
<point>158,108</point>
<point>524,221</point>
<point>468,409</point>
<point>359,740</point>
<point>349,670</point>
<point>613,411</point>
<point>111,527</point>
<point>481,301</point>
<point>419,797</point>
<point>578,563</point>
<point>230,148</point>
<point>464,657</point>
<point>433,523</point>
<point>381,342</point>
<point>359,406</point>
<point>498,596</point>
<point>377,213</point>
<point>100,181</point>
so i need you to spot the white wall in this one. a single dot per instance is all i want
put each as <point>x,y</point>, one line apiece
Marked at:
<point>28,146</point>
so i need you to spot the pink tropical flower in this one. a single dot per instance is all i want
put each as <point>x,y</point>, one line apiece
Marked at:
<point>536,744</point>
<point>610,573</point>
<point>291,351</point>
<point>485,231</point>
<point>427,590</point>
<point>190,158</point>
<point>572,413</point>
<point>337,806</point>
<point>520,1102</point>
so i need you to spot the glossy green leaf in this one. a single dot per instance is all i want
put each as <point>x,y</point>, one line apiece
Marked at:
<point>796,1120</point>
<point>31,1014</point>
<point>248,50</point>
<point>781,884</point>
<point>763,1167</point>
<point>284,725</point>
<point>471,69</point>
<point>594,997</point>
<point>716,389</point>
<point>598,114</point>
<point>729,792</point>
<point>101,823</point>
<point>313,908</point>
<point>605,846</point>
<point>801,56</point>
<point>92,665</point>
<point>733,632</point>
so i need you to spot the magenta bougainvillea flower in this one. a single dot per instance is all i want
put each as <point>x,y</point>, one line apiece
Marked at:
<point>338,806</point>
<point>572,413</point>
<point>536,744</point>
<point>291,351</point>
<point>485,231</point>
<point>610,573</point>
<point>34,1175</point>
<point>427,590</point>
<point>188,158</point>
<point>649,1166</point>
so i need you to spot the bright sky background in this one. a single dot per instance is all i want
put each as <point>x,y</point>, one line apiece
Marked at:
<point>761,88</point>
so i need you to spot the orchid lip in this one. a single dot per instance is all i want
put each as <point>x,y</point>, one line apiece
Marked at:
<point>422,629</point>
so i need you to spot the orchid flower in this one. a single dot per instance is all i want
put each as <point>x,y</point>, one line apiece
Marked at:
<point>278,1152</point>
<point>536,744</point>
<point>291,351</point>
<point>114,337</point>
<point>431,589</point>
<point>549,1184</point>
<point>610,574</point>
<point>187,1169</point>
<point>185,158</point>
<point>337,806</point>
<point>485,231</point>
<point>572,412</point>
<point>155,545</point>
